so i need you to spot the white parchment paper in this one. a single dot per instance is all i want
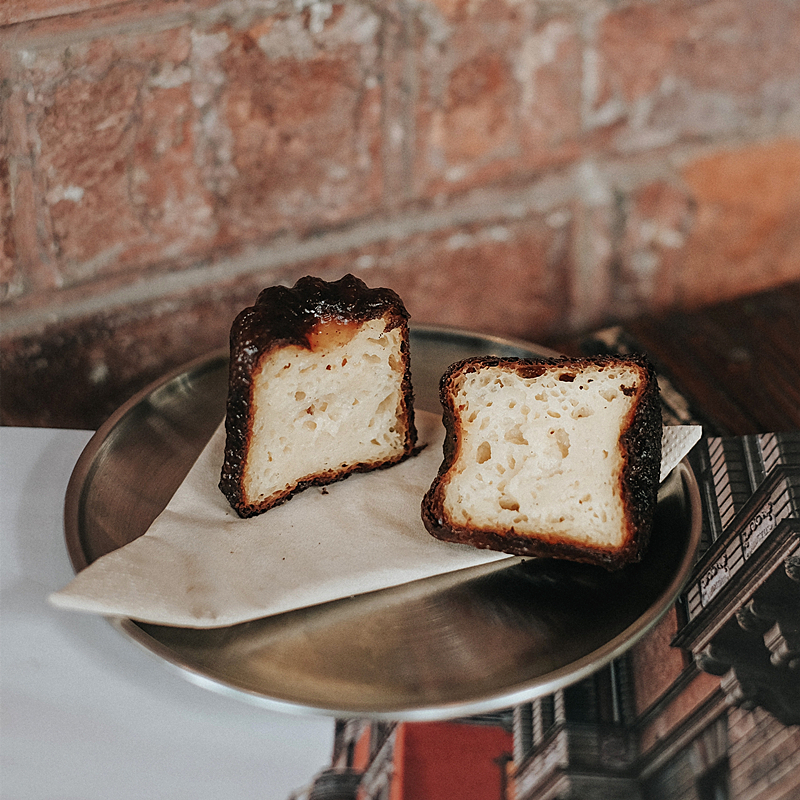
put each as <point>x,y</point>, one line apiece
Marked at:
<point>200,566</point>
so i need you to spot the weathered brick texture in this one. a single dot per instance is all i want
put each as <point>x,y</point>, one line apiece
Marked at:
<point>678,71</point>
<point>526,168</point>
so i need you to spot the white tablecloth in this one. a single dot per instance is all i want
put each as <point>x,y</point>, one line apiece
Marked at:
<point>84,712</point>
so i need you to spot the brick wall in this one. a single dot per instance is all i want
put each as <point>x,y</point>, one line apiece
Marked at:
<point>523,168</point>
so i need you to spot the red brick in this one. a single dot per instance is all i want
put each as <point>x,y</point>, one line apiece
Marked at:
<point>592,278</point>
<point>7,244</point>
<point>744,236</point>
<point>24,266</point>
<point>146,150</point>
<point>681,70</point>
<point>723,227</point>
<point>657,220</point>
<point>551,95</point>
<point>47,17</point>
<point>15,11</point>
<point>499,93</point>
<point>113,124</point>
<point>302,107</point>
<point>504,278</point>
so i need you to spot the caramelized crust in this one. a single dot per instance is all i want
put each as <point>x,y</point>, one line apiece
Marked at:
<point>639,449</point>
<point>314,316</point>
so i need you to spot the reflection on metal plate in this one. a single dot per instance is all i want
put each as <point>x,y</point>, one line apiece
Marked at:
<point>466,643</point>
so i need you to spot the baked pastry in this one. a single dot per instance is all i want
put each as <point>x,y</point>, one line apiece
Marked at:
<point>553,457</point>
<point>319,388</point>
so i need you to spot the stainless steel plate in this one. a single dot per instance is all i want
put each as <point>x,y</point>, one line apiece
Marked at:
<point>461,644</point>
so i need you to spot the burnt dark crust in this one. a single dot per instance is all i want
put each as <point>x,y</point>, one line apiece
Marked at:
<point>640,446</point>
<point>283,317</point>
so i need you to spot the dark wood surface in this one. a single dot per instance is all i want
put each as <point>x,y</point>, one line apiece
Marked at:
<point>737,363</point>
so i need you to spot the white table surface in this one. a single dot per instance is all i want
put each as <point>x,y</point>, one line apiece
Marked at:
<point>86,713</point>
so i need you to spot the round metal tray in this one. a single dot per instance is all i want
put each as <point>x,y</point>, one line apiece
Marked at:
<point>460,644</point>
